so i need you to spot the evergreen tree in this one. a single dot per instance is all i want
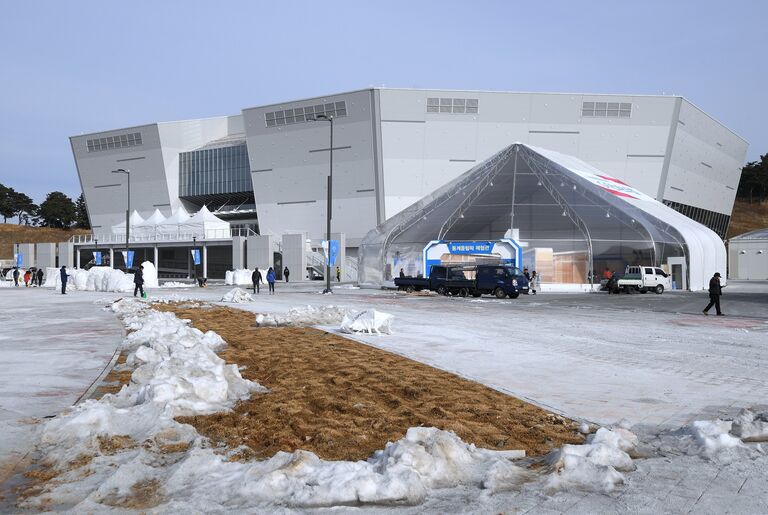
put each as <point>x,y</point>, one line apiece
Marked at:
<point>754,180</point>
<point>57,210</point>
<point>81,213</point>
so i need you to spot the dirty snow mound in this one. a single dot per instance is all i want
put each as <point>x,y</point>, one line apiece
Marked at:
<point>237,295</point>
<point>750,427</point>
<point>596,465</point>
<point>303,317</point>
<point>367,321</point>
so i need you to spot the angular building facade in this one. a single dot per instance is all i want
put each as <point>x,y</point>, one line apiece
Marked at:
<point>266,168</point>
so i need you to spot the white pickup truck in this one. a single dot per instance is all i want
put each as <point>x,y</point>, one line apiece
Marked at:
<point>645,279</point>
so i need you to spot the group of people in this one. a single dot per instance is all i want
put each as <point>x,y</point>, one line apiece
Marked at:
<point>257,280</point>
<point>33,277</point>
<point>534,281</point>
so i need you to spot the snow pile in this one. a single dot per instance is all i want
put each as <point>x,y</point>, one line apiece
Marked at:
<point>101,278</point>
<point>367,321</point>
<point>176,284</point>
<point>51,277</point>
<point>237,277</point>
<point>237,295</point>
<point>304,317</point>
<point>750,427</point>
<point>596,466</point>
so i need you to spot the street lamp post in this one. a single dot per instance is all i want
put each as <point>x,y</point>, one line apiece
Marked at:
<point>328,118</point>
<point>127,213</point>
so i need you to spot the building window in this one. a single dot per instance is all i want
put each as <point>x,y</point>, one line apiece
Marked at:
<point>452,105</point>
<point>606,109</point>
<point>303,114</point>
<point>111,142</point>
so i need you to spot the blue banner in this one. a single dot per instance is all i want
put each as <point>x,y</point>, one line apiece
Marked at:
<point>19,259</point>
<point>128,258</point>
<point>333,251</point>
<point>470,247</point>
<point>195,256</point>
<point>97,258</point>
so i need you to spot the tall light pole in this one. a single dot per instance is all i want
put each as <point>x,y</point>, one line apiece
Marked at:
<point>328,118</point>
<point>127,214</point>
<point>194,257</point>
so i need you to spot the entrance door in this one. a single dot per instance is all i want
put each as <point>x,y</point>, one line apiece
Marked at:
<point>679,272</point>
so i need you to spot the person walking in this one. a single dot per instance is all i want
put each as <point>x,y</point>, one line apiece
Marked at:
<point>286,273</point>
<point>271,280</point>
<point>64,277</point>
<point>338,274</point>
<point>39,277</point>
<point>138,281</point>
<point>27,277</point>
<point>534,283</point>
<point>715,290</point>
<point>15,276</point>
<point>256,279</point>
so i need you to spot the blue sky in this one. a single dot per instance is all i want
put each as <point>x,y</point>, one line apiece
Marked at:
<point>71,67</point>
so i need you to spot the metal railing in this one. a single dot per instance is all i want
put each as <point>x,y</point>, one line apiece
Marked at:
<point>158,236</point>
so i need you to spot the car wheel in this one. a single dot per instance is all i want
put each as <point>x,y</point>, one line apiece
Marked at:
<point>643,290</point>
<point>659,289</point>
<point>441,290</point>
<point>463,292</point>
<point>410,289</point>
<point>514,295</point>
<point>476,294</point>
<point>500,293</point>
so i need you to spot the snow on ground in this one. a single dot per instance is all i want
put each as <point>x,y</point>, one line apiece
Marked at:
<point>678,378</point>
<point>240,276</point>
<point>176,284</point>
<point>101,278</point>
<point>179,374</point>
<point>52,347</point>
<point>303,316</point>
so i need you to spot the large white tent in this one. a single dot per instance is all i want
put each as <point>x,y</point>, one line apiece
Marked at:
<point>205,224</point>
<point>149,226</point>
<point>135,220</point>
<point>172,223</point>
<point>571,218</point>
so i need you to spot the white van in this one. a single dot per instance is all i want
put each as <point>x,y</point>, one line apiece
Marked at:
<point>645,279</point>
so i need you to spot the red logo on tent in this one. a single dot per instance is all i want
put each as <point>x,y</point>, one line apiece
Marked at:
<point>616,192</point>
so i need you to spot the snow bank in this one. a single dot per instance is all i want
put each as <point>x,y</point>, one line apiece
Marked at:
<point>367,321</point>
<point>101,278</point>
<point>304,317</point>
<point>238,296</point>
<point>238,277</point>
<point>595,466</point>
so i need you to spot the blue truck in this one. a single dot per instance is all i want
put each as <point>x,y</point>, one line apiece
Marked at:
<point>464,280</point>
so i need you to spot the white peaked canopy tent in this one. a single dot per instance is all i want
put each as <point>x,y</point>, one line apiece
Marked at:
<point>569,215</point>
<point>205,224</point>
<point>135,219</point>
<point>149,226</point>
<point>172,223</point>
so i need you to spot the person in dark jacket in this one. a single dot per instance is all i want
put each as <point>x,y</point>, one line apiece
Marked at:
<point>271,280</point>
<point>64,277</point>
<point>39,277</point>
<point>138,281</point>
<point>286,273</point>
<point>256,279</point>
<point>15,276</point>
<point>715,290</point>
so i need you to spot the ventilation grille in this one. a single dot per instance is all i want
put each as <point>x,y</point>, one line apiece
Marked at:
<point>132,139</point>
<point>606,110</point>
<point>304,114</point>
<point>452,105</point>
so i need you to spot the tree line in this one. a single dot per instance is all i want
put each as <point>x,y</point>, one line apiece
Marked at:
<point>754,181</point>
<point>57,210</point>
